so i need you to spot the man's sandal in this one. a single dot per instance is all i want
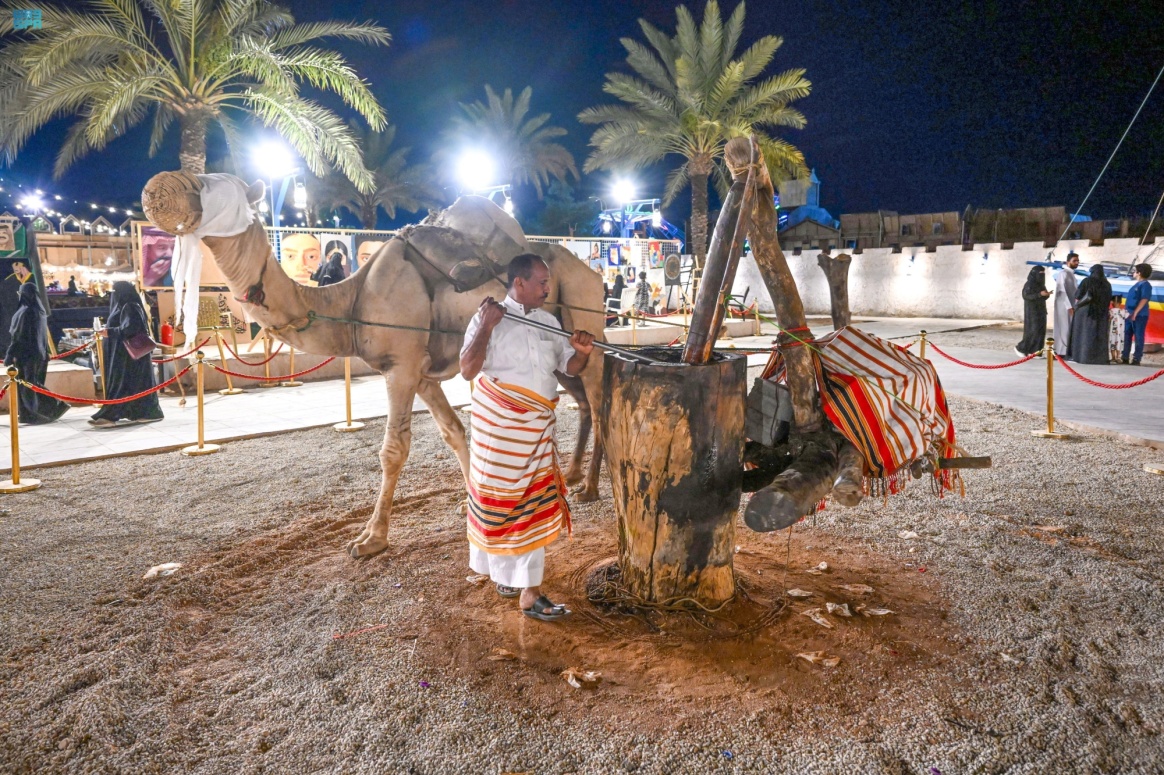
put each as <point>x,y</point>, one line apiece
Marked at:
<point>543,609</point>
<point>505,591</point>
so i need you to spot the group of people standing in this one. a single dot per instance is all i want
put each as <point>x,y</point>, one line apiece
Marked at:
<point>125,374</point>
<point>613,298</point>
<point>1087,327</point>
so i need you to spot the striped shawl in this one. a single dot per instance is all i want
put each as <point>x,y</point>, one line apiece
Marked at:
<point>516,494</point>
<point>888,402</point>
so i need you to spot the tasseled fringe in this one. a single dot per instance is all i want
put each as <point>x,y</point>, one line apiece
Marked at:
<point>885,486</point>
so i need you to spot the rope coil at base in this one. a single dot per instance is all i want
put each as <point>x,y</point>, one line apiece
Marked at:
<point>102,401</point>
<point>317,367</point>
<point>949,357</point>
<point>1093,383</point>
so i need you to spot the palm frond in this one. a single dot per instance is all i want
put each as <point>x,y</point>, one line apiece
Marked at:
<point>677,180</point>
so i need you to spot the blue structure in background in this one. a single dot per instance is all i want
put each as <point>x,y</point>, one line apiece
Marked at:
<point>638,214</point>
<point>808,210</point>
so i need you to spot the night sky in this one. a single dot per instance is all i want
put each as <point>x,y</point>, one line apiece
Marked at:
<point>914,108</point>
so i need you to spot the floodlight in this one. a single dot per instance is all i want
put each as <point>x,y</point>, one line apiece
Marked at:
<point>274,160</point>
<point>31,202</point>
<point>605,226</point>
<point>475,170</point>
<point>657,219</point>
<point>508,206</point>
<point>623,191</point>
<point>300,198</point>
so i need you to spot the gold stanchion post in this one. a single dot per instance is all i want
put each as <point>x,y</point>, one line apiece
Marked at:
<point>230,389</point>
<point>100,360</point>
<point>201,448</point>
<point>756,309</point>
<point>14,484</point>
<point>267,357</point>
<point>922,347</point>
<point>1050,433</point>
<point>291,370</point>
<point>346,427</point>
<point>634,328</point>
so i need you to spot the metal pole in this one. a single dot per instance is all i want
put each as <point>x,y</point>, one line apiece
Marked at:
<point>567,334</point>
<point>349,425</point>
<point>201,448</point>
<point>230,389</point>
<point>1050,433</point>
<point>634,328</point>
<point>14,484</point>
<point>922,348</point>
<point>292,382</point>
<point>267,383</point>
<point>100,361</point>
<point>756,309</point>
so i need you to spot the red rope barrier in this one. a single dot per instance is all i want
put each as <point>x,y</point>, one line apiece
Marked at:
<point>263,362</point>
<point>197,347</point>
<point>105,402</point>
<point>272,379</point>
<point>949,357</point>
<point>1093,383</point>
<point>72,352</point>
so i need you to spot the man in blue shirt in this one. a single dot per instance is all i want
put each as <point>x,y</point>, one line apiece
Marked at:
<point>1136,305</point>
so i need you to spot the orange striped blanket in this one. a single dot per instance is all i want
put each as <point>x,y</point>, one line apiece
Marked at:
<point>516,494</point>
<point>887,401</point>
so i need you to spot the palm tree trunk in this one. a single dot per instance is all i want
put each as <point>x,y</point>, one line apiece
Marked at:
<point>368,216</point>
<point>192,153</point>
<point>697,241</point>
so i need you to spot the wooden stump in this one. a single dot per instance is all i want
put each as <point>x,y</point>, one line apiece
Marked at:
<point>674,438</point>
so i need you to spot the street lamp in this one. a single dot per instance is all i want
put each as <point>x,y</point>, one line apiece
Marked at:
<point>623,191</point>
<point>475,170</point>
<point>275,160</point>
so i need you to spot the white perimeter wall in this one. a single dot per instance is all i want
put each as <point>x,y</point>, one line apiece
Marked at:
<point>950,283</point>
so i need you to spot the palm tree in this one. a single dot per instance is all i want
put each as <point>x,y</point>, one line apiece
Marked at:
<point>520,145</point>
<point>396,183</point>
<point>113,63</point>
<point>688,96</point>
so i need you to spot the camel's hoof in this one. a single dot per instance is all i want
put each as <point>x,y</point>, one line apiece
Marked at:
<point>368,547</point>
<point>463,508</point>
<point>573,477</point>
<point>585,494</point>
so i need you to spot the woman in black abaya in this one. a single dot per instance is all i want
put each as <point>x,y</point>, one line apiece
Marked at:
<point>1090,326</point>
<point>1035,295</point>
<point>28,352</point>
<point>125,375</point>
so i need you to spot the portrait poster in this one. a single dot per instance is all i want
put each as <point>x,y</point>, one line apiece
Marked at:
<point>367,245</point>
<point>157,253</point>
<point>614,255</point>
<point>341,244</point>
<point>299,255</point>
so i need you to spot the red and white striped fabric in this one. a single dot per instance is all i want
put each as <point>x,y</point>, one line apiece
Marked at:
<point>885,400</point>
<point>516,494</point>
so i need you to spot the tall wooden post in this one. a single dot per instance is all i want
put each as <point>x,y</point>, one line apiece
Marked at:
<point>674,441</point>
<point>837,274</point>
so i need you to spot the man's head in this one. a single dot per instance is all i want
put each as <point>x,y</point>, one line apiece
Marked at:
<point>1143,271</point>
<point>529,280</point>
<point>1072,260</point>
<point>20,269</point>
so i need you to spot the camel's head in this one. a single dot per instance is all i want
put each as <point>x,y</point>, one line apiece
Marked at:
<point>173,201</point>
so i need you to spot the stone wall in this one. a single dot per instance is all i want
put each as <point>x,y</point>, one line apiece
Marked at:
<point>982,283</point>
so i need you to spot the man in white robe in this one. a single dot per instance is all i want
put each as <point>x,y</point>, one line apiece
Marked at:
<point>1065,303</point>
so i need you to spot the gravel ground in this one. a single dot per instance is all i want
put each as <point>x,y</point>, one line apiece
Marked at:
<point>1006,336</point>
<point>1030,643</point>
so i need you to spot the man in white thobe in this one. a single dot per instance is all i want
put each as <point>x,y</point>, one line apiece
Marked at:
<point>1065,303</point>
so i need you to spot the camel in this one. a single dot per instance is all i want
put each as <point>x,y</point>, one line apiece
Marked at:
<point>399,286</point>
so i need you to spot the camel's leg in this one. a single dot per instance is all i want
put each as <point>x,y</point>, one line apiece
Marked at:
<point>577,391</point>
<point>402,388</point>
<point>452,431</point>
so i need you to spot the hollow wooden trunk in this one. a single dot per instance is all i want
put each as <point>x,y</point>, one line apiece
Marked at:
<point>674,437</point>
